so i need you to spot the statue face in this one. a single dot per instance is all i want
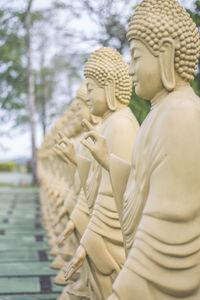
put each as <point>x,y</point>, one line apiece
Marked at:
<point>145,70</point>
<point>96,98</point>
<point>74,123</point>
<point>82,111</point>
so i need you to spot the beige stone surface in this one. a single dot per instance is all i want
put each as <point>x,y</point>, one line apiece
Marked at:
<point>102,242</point>
<point>161,205</point>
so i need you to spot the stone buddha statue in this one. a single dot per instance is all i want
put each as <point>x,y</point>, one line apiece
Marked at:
<point>160,206</point>
<point>55,181</point>
<point>78,215</point>
<point>109,90</point>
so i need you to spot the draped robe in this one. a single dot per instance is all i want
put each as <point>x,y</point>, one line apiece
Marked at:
<point>103,239</point>
<point>161,204</point>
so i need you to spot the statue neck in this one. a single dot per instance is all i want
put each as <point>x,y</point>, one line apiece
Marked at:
<point>158,97</point>
<point>109,112</point>
<point>106,114</point>
<point>180,84</point>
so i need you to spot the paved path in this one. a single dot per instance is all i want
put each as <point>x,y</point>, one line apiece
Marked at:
<point>24,261</point>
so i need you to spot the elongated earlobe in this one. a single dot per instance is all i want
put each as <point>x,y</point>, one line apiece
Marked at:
<point>110,95</point>
<point>166,59</point>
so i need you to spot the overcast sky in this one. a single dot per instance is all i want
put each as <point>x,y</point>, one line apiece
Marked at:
<point>18,144</point>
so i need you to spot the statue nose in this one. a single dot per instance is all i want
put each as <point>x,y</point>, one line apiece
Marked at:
<point>87,101</point>
<point>131,69</point>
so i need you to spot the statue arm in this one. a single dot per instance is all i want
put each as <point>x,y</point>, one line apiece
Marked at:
<point>117,138</point>
<point>119,173</point>
<point>66,233</point>
<point>120,137</point>
<point>174,159</point>
<point>83,165</point>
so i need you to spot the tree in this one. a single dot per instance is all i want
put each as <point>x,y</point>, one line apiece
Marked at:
<point>196,17</point>
<point>12,51</point>
<point>31,95</point>
<point>105,27</point>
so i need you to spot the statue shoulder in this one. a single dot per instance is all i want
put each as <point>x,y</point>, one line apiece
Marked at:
<point>121,120</point>
<point>179,121</point>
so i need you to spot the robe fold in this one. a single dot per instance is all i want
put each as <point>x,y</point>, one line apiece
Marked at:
<point>161,210</point>
<point>103,239</point>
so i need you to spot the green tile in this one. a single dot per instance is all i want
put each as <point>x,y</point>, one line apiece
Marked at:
<point>20,239</point>
<point>17,245</point>
<point>16,235</point>
<point>50,257</point>
<point>13,226</point>
<point>24,231</point>
<point>27,216</point>
<point>4,212</point>
<point>21,222</point>
<point>16,256</point>
<point>26,268</point>
<point>55,287</point>
<point>19,285</point>
<point>5,207</point>
<point>31,297</point>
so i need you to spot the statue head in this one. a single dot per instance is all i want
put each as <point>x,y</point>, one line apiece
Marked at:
<point>166,31</point>
<point>74,123</point>
<point>108,82</point>
<point>82,111</point>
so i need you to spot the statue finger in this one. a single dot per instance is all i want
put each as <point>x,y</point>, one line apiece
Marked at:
<point>88,145</point>
<point>69,274</point>
<point>60,134</point>
<point>67,268</point>
<point>87,125</point>
<point>63,141</point>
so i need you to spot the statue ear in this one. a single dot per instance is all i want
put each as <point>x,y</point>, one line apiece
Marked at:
<point>166,59</point>
<point>110,95</point>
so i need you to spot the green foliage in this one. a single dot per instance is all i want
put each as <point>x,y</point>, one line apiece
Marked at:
<point>196,18</point>
<point>7,166</point>
<point>139,107</point>
<point>196,84</point>
<point>12,70</point>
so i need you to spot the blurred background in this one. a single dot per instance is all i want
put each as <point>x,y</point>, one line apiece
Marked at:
<point>43,48</point>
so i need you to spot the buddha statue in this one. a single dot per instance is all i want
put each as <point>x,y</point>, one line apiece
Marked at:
<point>61,178</point>
<point>54,180</point>
<point>78,216</point>
<point>160,203</point>
<point>109,89</point>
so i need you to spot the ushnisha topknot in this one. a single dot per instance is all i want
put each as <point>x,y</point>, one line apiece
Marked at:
<point>82,91</point>
<point>107,63</point>
<point>154,20</point>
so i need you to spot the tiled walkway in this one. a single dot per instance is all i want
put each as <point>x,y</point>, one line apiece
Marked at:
<point>24,261</point>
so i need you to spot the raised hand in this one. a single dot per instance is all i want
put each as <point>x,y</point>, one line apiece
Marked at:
<point>87,126</point>
<point>67,147</point>
<point>64,235</point>
<point>75,263</point>
<point>97,145</point>
<point>59,151</point>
